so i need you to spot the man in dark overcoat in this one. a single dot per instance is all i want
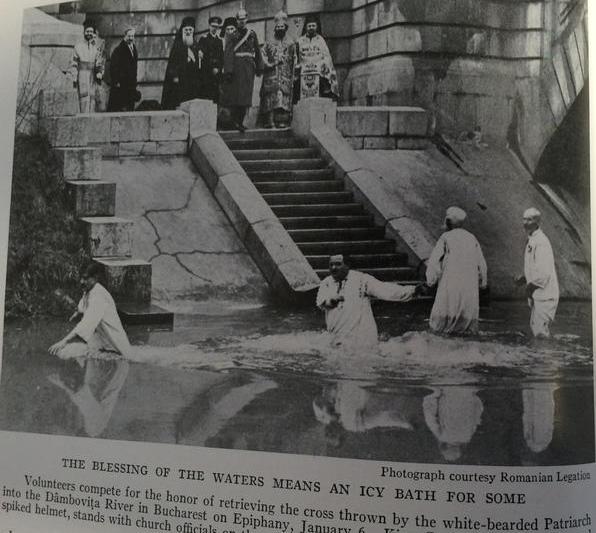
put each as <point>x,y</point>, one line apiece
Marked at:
<point>123,74</point>
<point>242,61</point>
<point>212,52</point>
<point>182,73</point>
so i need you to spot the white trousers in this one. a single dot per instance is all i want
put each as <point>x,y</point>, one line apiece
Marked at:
<point>542,314</point>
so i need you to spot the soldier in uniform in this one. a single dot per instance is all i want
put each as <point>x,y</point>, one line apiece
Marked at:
<point>211,52</point>
<point>242,61</point>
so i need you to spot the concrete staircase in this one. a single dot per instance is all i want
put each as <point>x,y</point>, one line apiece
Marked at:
<point>107,237</point>
<point>313,206</point>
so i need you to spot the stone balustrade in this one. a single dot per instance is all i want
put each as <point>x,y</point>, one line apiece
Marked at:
<point>147,133</point>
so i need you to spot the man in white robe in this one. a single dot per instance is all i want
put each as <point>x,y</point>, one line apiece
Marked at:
<point>345,297</point>
<point>100,329</point>
<point>458,266</point>
<point>453,414</point>
<point>540,276</point>
<point>313,55</point>
<point>98,395</point>
<point>87,68</point>
<point>539,415</point>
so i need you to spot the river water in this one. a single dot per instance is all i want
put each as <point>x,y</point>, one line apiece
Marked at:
<point>264,378</point>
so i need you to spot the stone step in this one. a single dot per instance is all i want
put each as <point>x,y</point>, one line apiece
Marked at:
<point>92,198</point>
<point>353,221</point>
<point>300,186</point>
<point>383,274</point>
<point>79,163</point>
<point>377,246</point>
<point>359,261</point>
<point>283,164</point>
<point>137,314</point>
<point>257,134</point>
<point>107,236</point>
<point>301,198</point>
<point>266,143</point>
<point>275,153</point>
<point>317,210</point>
<point>127,279</point>
<point>336,234</point>
<point>292,175</point>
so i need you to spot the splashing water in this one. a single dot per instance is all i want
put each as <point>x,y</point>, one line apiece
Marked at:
<point>415,356</point>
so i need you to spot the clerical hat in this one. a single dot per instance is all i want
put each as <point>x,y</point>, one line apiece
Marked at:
<point>89,23</point>
<point>312,17</point>
<point>187,22</point>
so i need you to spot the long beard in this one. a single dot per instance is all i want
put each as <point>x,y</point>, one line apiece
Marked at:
<point>279,34</point>
<point>188,40</point>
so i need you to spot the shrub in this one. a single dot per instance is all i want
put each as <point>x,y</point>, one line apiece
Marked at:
<point>45,247</point>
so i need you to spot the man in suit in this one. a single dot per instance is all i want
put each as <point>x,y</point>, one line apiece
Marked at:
<point>211,52</point>
<point>123,74</point>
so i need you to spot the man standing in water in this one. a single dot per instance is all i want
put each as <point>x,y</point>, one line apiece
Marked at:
<point>458,266</point>
<point>100,329</point>
<point>540,276</point>
<point>345,297</point>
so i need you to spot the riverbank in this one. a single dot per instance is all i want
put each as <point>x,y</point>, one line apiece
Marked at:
<point>45,249</point>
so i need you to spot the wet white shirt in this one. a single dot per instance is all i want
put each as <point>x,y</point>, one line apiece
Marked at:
<point>351,322</point>
<point>539,267</point>
<point>101,324</point>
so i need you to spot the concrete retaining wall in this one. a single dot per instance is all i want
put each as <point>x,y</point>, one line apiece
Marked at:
<point>383,127</point>
<point>181,231</point>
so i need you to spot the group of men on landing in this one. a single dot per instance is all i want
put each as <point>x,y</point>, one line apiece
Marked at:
<point>220,66</point>
<point>88,72</point>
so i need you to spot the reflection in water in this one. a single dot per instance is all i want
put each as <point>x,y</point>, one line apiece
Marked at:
<point>539,415</point>
<point>206,416</point>
<point>356,409</point>
<point>93,386</point>
<point>349,406</point>
<point>452,414</point>
<point>275,385</point>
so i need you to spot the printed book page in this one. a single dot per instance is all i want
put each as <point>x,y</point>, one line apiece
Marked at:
<point>300,266</point>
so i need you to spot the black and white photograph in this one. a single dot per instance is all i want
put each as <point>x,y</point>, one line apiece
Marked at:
<point>341,228</point>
